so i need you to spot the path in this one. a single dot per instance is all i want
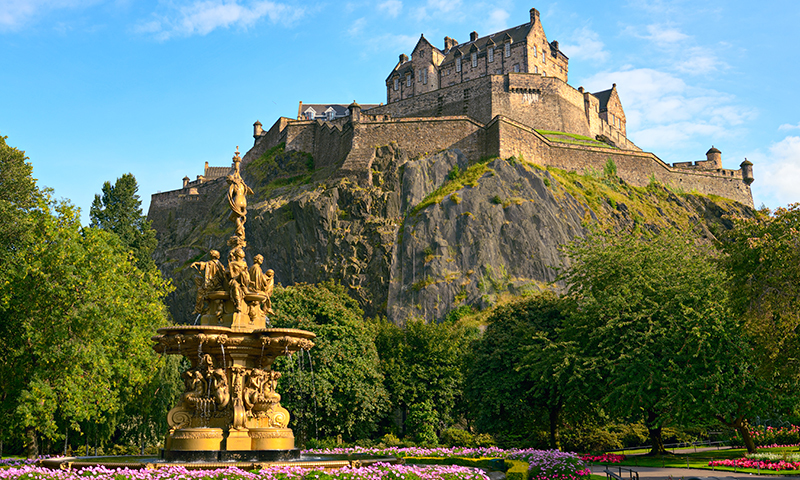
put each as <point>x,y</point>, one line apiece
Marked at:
<point>655,473</point>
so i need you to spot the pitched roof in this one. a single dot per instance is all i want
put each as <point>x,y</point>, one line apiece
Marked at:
<point>340,109</point>
<point>515,34</point>
<point>603,96</point>
<point>216,172</point>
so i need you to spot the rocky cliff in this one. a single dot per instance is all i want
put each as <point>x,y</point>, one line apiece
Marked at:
<point>427,235</point>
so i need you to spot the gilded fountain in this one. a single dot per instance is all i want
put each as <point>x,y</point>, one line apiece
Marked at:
<point>230,409</point>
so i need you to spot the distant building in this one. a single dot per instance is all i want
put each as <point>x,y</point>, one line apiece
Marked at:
<point>325,111</point>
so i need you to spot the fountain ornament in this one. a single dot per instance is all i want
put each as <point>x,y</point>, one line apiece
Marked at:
<point>230,409</point>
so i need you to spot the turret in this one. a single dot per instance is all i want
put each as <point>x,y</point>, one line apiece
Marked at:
<point>715,156</point>
<point>257,130</point>
<point>186,181</point>
<point>355,112</point>
<point>747,171</point>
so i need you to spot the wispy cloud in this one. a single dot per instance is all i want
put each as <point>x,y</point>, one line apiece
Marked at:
<point>587,46</point>
<point>662,110</point>
<point>496,21</point>
<point>434,9</point>
<point>16,14</point>
<point>788,126</point>
<point>391,7</point>
<point>203,17</point>
<point>357,27</point>
<point>778,172</point>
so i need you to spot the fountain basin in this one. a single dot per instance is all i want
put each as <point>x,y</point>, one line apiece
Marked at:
<point>326,462</point>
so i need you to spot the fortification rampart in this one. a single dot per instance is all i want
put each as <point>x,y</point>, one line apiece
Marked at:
<point>635,167</point>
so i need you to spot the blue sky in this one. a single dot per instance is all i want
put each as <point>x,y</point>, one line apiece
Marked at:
<point>93,89</point>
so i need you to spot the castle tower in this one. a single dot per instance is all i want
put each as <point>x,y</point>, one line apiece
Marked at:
<point>747,171</point>
<point>257,129</point>
<point>715,156</point>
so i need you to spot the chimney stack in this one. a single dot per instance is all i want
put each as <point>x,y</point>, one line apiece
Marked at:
<point>403,58</point>
<point>534,16</point>
<point>473,36</point>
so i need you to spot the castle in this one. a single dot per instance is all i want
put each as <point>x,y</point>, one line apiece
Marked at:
<point>502,95</point>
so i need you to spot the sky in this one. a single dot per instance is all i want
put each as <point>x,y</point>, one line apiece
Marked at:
<point>94,89</point>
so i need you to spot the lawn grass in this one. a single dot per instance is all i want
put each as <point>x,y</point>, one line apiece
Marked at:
<point>699,460</point>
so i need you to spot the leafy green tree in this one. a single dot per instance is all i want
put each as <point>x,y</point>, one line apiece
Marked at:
<point>345,394</point>
<point>78,315</point>
<point>423,362</point>
<point>762,257</point>
<point>119,210</point>
<point>521,371</point>
<point>651,320</point>
<point>18,197</point>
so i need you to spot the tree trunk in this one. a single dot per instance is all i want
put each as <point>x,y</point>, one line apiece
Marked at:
<point>744,431</point>
<point>31,447</point>
<point>654,431</point>
<point>741,426</point>
<point>555,440</point>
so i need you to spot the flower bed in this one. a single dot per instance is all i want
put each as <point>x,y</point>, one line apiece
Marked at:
<point>776,436</point>
<point>549,464</point>
<point>603,458</point>
<point>756,464</point>
<point>374,472</point>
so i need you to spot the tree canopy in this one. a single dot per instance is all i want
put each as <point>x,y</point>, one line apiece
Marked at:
<point>345,394</point>
<point>75,340</point>
<point>651,320</point>
<point>119,210</point>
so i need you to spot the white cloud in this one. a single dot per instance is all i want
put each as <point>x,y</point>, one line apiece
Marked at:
<point>357,27</point>
<point>15,14</point>
<point>203,17</point>
<point>663,35</point>
<point>587,47</point>
<point>787,126</point>
<point>391,7</point>
<point>496,21</point>
<point>778,173</point>
<point>436,8</point>
<point>662,110</point>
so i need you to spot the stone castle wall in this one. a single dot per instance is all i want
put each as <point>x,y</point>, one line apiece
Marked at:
<point>635,167</point>
<point>549,103</point>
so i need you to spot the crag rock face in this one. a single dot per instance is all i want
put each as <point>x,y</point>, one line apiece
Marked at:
<point>426,236</point>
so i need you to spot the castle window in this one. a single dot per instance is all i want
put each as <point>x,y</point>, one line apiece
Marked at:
<point>534,50</point>
<point>408,80</point>
<point>424,77</point>
<point>544,57</point>
<point>458,64</point>
<point>474,59</point>
<point>419,76</point>
<point>396,83</point>
<point>516,68</point>
<point>499,71</point>
<point>535,69</point>
<point>490,54</point>
<point>508,49</point>
<point>331,114</point>
<point>544,74</point>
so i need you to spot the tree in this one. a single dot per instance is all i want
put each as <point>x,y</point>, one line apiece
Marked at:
<point>422,364</point>
<point>344,394</point>
<point>77,320</point>
<point>18,197</point>
<point>520,370</point>
<point>762,257</point>
<point>119,210</point>
<point>650,318</point>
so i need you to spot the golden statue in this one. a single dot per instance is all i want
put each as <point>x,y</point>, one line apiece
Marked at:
<point>237,196</point>
<point>211,280</point>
